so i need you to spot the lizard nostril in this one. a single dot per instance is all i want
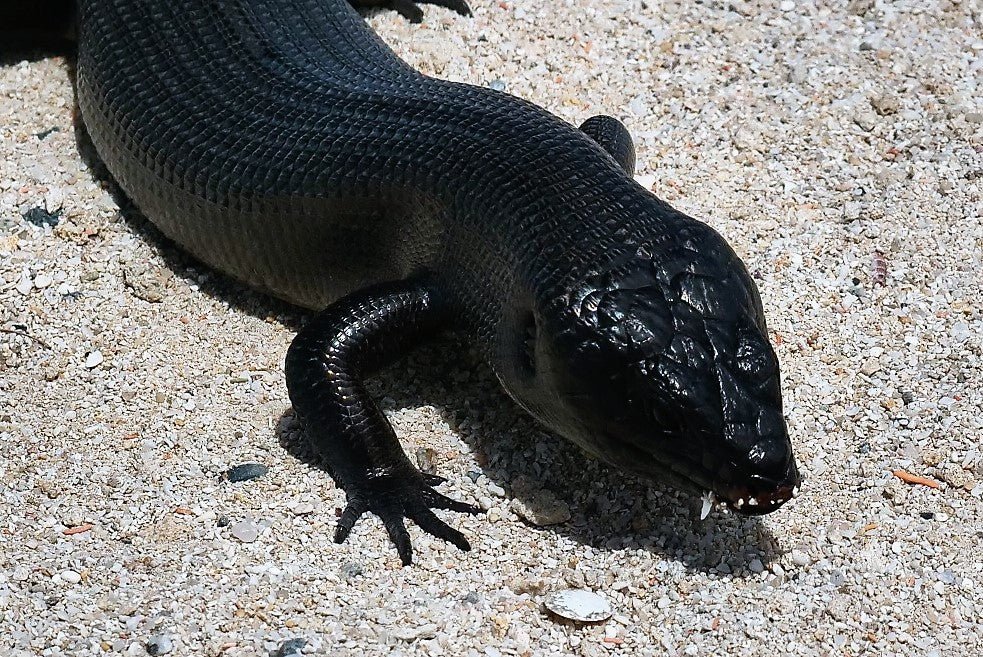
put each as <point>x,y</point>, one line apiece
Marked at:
<point>771,452</point>
<point>769,455</point>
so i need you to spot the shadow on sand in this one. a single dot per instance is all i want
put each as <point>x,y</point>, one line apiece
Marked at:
<point>610,510</point>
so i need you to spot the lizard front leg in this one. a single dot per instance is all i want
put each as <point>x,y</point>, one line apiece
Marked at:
<point>325,368</point>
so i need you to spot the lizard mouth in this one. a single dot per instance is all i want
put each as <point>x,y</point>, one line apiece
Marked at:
<point>756,495</point>
<point>722,483</point>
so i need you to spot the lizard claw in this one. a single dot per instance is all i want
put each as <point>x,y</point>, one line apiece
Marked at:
<point>397,497</point>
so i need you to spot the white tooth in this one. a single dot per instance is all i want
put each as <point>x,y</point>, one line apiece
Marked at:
<point>752,501</point>
<point>708,500</point>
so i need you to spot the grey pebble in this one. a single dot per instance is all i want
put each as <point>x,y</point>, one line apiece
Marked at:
<point>159,644</point>
<point>351,569</point>
<point>40,217</point>
<point>246,471</point>
<point>289,648</point>
<point>497,84</point>
<point>223,521</point>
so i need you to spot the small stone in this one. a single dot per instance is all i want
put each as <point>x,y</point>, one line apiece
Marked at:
<point>159,644</point>
<point>885,104</point>
<point>40,217</point>
<point>428,631</point>
<point>290,648</point>
<point>70,576</point>
<point>145,280</point>
<point>223,521</point>
<point>93,359</point>
<point>859,7</point>
<point>352,569</point>
<point>851,211</point>
<point>578,605</point>
<point>974,117</point>
<point>541,508</point>
<point>787,5</point>
<point>800,558</point>
<point>755,566</point>
<point>425,457</point>
<point>245,531</point>
<point>42,281</point>
<point>496,490</point>
<point>302,508</point>
<point>246,471</point>
<point>24,285</point>
<point>870,366</point>
<point>866,119</point>
<point>497,85</point>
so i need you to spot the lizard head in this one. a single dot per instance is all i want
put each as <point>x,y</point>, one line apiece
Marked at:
<point>659,363</point>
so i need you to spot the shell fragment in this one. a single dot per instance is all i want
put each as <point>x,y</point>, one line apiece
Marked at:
<point>578,605</point>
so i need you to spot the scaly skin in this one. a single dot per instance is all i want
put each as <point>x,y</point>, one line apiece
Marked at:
<point>283,143</point>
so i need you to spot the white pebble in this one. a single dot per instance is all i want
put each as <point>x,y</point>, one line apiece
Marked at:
<point>245,531</point>
<point>93,359</point>
<point>24,285</point>
<point>70,576</point>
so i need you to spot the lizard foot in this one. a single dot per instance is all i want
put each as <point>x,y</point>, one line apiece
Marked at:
<point>394,497</point>
<point>409,10</point>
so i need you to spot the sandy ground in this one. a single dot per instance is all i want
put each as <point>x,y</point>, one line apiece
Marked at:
<point>837,145</point>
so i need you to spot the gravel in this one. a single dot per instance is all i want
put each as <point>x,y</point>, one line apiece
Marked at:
<point>839,148</point>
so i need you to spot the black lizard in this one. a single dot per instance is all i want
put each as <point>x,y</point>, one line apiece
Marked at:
<point>283,143</point>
